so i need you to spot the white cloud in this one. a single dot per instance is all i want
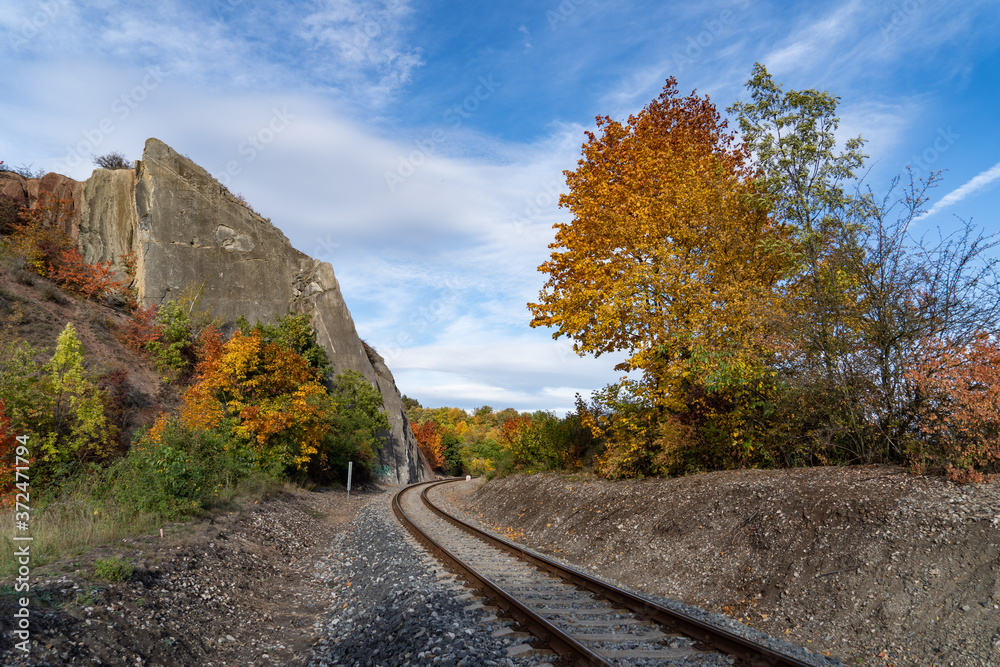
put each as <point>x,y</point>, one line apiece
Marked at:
<point>978,182</point>
<point>816,40</point>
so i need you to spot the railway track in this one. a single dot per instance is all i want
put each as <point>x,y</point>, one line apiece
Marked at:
<point>583,619</point>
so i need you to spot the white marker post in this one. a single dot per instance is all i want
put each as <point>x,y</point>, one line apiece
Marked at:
<point>350,470</point>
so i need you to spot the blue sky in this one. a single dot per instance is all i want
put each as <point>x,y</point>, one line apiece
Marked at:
<point>419,146</point>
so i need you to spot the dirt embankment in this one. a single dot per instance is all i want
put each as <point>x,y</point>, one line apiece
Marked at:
<point>870,564</point>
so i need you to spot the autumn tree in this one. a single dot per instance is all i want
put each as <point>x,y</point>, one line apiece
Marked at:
<point>959,408</point>
<point>670,249</point>
<point>429,441</point>
<point>866,295</point>
<point>269,395</point>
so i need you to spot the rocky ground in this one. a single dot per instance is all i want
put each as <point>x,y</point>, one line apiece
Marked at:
<point>238,588</point>
<point>868,564</point>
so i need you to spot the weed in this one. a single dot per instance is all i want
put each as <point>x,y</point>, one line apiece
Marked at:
<point>88,597</point>
<point>55,296</point>
<point>113,568</point>
<point>24,278</point>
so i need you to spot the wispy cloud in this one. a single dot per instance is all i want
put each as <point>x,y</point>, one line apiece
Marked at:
<point>813,42</point>
<point>365,38</point>
<point>978,182</point>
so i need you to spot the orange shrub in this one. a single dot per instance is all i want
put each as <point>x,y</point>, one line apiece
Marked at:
<point>958,412</point>
<point>7,446</point>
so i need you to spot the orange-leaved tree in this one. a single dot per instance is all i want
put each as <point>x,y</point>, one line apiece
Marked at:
<point>670,246</point>
<point>672,258</point>
<point>428,437</point>
<point>271,396</point>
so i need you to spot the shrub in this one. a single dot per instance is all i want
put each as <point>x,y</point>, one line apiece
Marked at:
<point>113,160</point>
<point>38,236</point>
<point>24,170</point>
<point>8,444</point>
<point>172,348</point>
<point>959,408</point>
<point>93,281</point>
<point>113,569</point>
<point>175,472</point>
<point>358,426</point>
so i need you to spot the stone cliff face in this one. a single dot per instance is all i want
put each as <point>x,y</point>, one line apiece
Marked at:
<point>188,230</point>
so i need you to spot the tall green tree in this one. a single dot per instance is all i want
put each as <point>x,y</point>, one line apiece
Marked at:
<point>809,182</point>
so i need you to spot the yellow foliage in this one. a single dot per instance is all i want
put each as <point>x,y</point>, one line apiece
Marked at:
<point>670,245</point>
<point>275,398</point>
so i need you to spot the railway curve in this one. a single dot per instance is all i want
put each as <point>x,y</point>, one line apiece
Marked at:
<point>585,620</point>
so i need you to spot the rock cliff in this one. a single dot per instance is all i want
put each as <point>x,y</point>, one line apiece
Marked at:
<point>188,230</point>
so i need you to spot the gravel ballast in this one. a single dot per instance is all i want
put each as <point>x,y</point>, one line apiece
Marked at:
<point>393,605</point>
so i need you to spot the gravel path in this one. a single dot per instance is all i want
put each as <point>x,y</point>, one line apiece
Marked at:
<point>391,604</point>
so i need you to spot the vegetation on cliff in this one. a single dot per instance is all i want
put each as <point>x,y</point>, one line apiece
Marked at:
<point>134,415</point>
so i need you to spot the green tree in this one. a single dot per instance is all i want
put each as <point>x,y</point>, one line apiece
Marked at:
<point>359,426</point>
<point>791,136</point>
<point>78,428</point>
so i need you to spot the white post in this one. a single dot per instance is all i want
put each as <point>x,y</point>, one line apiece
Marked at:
<point>350,470</point>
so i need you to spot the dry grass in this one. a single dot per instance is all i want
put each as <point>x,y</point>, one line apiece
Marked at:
<point>66,527</point>
<point>77,523</point>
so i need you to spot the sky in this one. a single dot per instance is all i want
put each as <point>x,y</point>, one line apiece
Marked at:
<point>419,145</point>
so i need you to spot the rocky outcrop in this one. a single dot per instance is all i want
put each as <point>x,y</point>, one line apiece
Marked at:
<point>60,187</point>
<point>14,188</point>
<point>108,220</point>
<point>187,230</point>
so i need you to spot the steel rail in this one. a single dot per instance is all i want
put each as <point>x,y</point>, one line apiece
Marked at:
<point>556,638</point>
<point>748,651</point>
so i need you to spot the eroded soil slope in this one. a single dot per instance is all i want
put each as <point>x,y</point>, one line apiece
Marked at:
<point>870,564</point>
